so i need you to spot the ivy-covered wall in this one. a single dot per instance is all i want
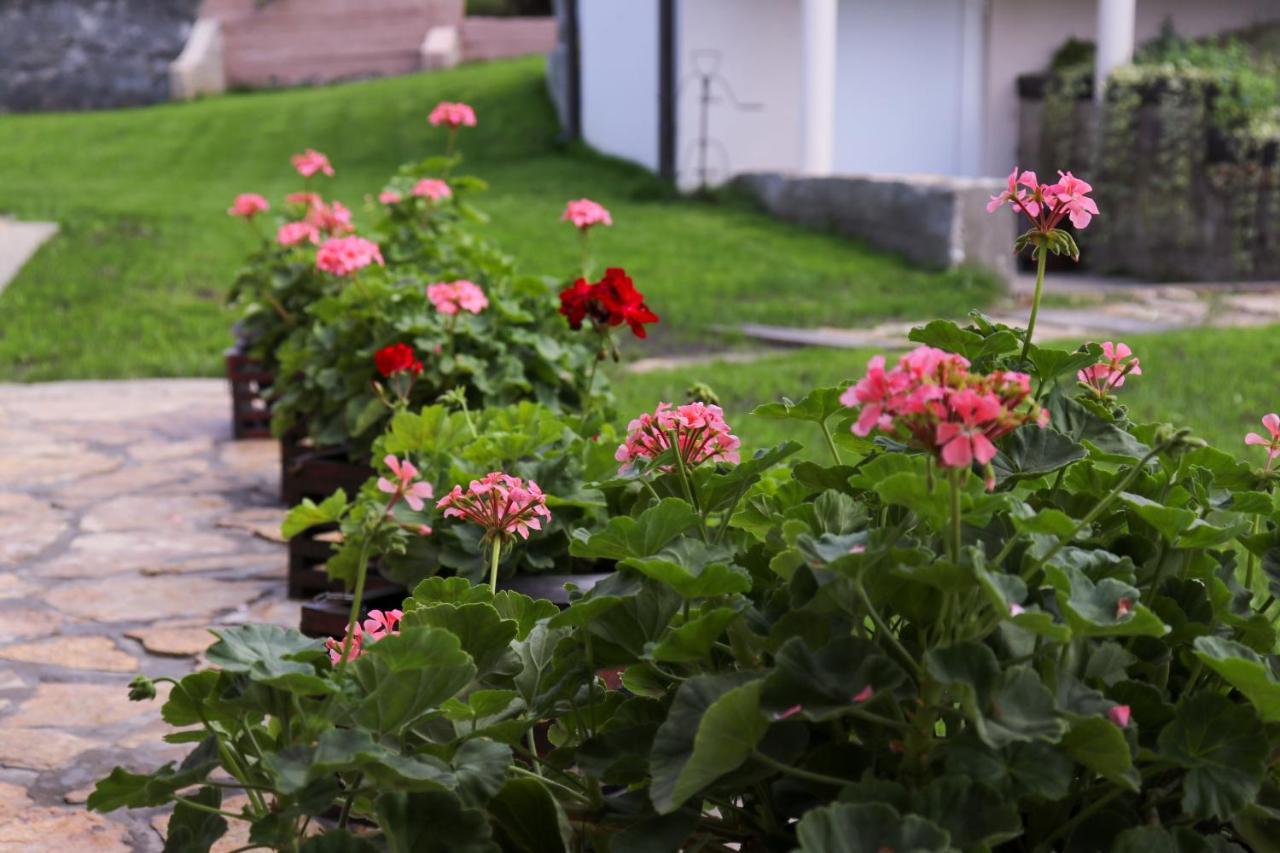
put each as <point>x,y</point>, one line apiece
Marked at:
<point>1189,187</point>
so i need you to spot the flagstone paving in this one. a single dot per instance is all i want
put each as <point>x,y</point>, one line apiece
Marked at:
<point>130,524</point>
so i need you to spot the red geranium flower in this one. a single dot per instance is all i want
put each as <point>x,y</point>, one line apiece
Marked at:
<point>397,358</point>
<point>611,301</point>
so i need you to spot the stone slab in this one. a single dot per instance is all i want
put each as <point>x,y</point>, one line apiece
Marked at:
<point>18,242</point>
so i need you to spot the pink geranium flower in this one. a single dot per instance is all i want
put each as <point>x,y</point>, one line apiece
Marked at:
<point>293,233</point>
<point>311,162</point>
<point>406,485</point>
<point>432,189</point>
<point>333,219</point>
<point>1119,714</point>
<point>377,624</point>
<point>345,255</point>
<point>1272,424</point>
<point>931,400</point>
<point>305,199</point>
<point>584,213</point>
<point>453,115</point>
<point>1046,205</point>
<point>699,431</point>
<point>454,296</point>
<point>1105,376</point>
<point>504,506</point>
<point>389,197</point>
<point>248,205</point>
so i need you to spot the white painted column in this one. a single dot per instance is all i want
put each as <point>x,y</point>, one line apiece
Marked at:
<point>818,82</point>
<point>1115,40</point>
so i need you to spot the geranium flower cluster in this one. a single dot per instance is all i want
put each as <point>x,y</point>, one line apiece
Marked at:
<point>504,506</point>
<point>932,400</point>
<point>377,624</point>
<point>312,162</point>
<point>345,255</point>
<point>397,358</point>
<point>320,221</point>
<point>609,302</point>
<point>1046,205</point>
<point>1108,375</point>
<point>584,213</point>
<point>699,431</point>
<point>1272,424</point>
<point>450,297</point>
<point>432,189</point>
<point>452,114</point>
<point>406,485</point>
<point>248,205</point>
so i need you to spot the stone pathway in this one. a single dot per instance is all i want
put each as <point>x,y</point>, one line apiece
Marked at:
<point>129,524</point>
<point>1090,309</point>
<point>18,242</point>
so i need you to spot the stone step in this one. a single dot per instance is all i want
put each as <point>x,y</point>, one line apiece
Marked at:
<point>18,242</point>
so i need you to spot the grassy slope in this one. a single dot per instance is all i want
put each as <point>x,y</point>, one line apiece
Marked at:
<point>134,284</point>
<point>1218,381</point>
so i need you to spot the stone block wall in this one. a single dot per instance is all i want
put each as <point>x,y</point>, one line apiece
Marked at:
<point>931,220</point>
<point>89,54</point>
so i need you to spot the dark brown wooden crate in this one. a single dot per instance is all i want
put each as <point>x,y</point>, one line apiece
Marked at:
<point>250,395</point>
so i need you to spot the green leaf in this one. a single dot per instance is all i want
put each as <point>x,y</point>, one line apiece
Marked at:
<point>450,590</point>
<point>480,766</point>
<point>337,841</point>
<point>523,610</point>
<point>1094,610</point>
<point>691,570</point>
<point>1052,364</point>
<point>658,834</point>
<point>1100,745</point>
<point>1033,451</point>
<point>824,683</point>
<point>432,822</point>
<point>343,750</point>
<point>484,634</point>
<point>693,640</point>
<point>1022,709</point>
<point>713,725</point>
<point>309,514</point>
<point>405,676</point>
<point>868,828</point>
<point>1217,742</point>
<point>1242,668</point>
<point>816,406</point>
<point>272,655</point>
<point>946,335</point>
<point>1106,440</point>
<point>970,813</point>
<point>123,789</point>
<point>192,829</point>
<point>626,537</point>
<point>530,819</point>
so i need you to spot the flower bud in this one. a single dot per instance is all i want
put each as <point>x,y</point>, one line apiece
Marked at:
<point>141,689</point>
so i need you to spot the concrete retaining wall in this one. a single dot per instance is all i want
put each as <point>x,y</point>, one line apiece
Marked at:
<point>86,54</point>
<point>931,220</point>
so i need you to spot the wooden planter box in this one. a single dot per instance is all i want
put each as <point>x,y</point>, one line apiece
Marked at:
<point>326,615</point>
<point>250,394</point>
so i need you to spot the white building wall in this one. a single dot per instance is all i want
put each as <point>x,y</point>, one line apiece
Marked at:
<point>752,50</point>
<point>1023,34</point>
<point>619,52</point>
<point>909,87</point>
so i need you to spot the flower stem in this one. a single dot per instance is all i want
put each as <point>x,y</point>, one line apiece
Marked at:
<point>953,480</point>
<point>1252,559</point>
<point>1042,255</point>
<point>357,598</point>
<point>584,249</point>
<point>674,438</point>
<point>798,772</point>
<point>493,566</point>
<point>831,444</point>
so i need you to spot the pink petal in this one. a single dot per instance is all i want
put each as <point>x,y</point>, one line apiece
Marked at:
<point>385,485</point>
<point>414,502</point>
<point>1119,715</point>
<point>863,695</point>
<point>957,453</point>
<point>1254,438</point>
<point>1272,423</point>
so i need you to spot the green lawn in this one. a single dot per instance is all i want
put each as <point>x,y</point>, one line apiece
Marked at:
<point>1220,382</point>
<point>133,286</point>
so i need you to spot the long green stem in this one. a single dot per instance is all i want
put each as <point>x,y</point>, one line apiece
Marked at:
<point>831,444</point>
<point>201,807</point>
<point>883,630</point>
<point>954,477</point>
<point>1099,507</point>
<point>585,253</point>
<point>1252,558</point>
<point>1042,255</point>
<point>674,437</point>
<point>496,556</point>
<point>357,599</point>
<point>798,772</point>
